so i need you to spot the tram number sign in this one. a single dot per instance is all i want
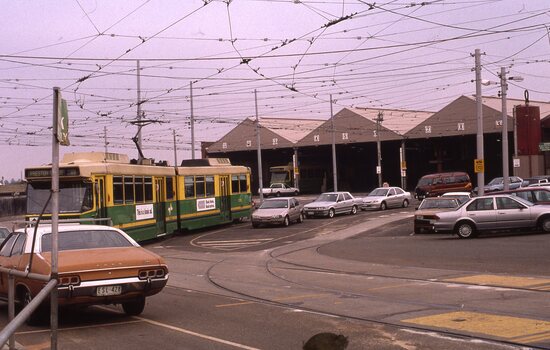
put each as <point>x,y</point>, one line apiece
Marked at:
<point>479,165</point>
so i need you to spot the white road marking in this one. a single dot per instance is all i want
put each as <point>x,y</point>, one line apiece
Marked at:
<point>236,240</point>
<point>199,335</point>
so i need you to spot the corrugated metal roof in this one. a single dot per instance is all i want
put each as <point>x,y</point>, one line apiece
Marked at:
<point>398,121</point>
<point>496,103</point>
<point>291,129</point>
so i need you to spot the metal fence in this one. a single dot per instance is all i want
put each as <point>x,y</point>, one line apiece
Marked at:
<point>12,206</point>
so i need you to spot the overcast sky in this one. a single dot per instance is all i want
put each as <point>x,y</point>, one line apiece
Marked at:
<point>295,53</point>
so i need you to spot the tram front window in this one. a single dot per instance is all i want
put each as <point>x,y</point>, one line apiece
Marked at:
<point>74,197</point>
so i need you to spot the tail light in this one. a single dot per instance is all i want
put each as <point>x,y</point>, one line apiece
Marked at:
<point>64,281</point>
<point>151,273</point>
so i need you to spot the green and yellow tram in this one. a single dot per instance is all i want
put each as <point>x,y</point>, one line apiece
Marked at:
<point>146,201</point>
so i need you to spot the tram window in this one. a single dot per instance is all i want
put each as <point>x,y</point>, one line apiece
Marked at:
<point>242,181</point>
<point>199,186</point>
<point>189,184</point>
<point>169,188</point>
<point>139,189</point>
<point>148,189</point>
<point>128,190</point>
<point>118,190</point>
<point>235,183</point>
<point>210,186</point>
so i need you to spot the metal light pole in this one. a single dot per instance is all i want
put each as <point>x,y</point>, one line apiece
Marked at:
<point>379,119</point>
<point>479,113</point>
<point>260,177</point>
<point>505,156</point>
<point>334,170</point>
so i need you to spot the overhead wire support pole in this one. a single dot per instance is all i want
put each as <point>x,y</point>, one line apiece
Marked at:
<point>334,169</point>
<point>259,146</point>
<point>55,219</point>
<point>192,121</point>
<point>139,102</point>
<point>505,156</point>
<point>379,120</point>
<point>479,114</point>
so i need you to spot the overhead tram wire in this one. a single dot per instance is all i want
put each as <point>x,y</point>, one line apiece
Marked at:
<point>123,54</point>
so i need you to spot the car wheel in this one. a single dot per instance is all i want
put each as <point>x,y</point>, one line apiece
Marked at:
<point>353,210</point>
<point>278,194</point>
<point>38,317</point>
<point>545,224</point>
<point>134,308</point>
<point>301,218</point>
<point>405,203</point>
<point>417,230</point>
<point>383,206</point>
<point>331,213</point>
<point>286,221</point>
<point>295,193</point>
<point>255,224</point>
<point>465,230</point>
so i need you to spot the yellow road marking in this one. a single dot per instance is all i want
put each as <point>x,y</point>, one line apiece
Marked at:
<point>505,281</point>
<point>512,328</point>
<point>112,324</point>
<point>305,296</point>
<point>534,338</point>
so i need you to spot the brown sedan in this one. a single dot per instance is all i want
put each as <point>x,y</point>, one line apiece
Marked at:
<point>97,265</point>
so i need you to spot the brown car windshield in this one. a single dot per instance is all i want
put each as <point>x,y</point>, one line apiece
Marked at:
<point>89,239</point>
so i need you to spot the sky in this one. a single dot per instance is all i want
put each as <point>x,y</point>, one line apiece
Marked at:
<point>285,58</point>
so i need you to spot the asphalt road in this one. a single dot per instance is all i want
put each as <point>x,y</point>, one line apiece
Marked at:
<point>367,277</point>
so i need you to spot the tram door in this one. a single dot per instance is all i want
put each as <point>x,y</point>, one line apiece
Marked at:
<point>160,207</point>
<point>225,202</point>
<point>100,199</point>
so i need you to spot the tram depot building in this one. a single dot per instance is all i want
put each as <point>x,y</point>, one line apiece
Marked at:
<point>412,144</point>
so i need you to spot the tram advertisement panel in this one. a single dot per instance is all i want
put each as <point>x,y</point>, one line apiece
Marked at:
<point>144,211</point>
<point>206,204</point>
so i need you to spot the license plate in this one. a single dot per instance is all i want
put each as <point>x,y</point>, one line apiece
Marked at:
<point>104,291</point>
<point>310,213</point>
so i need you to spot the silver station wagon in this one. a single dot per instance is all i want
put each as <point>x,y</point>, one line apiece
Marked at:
<point>493,212</point>
<point>278,211</point>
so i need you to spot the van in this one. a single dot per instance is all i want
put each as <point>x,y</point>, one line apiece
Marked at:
<point>433,185</point>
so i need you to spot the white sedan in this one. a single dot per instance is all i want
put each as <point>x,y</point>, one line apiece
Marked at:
<point>386,197</point>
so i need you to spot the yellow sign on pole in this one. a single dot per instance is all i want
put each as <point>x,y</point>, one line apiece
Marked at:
<point>479,165</point>
<point>403,165</point>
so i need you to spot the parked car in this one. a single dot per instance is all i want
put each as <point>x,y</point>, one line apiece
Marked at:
<point>462,197</point>
<point>332,203</point>
<point>540,180</point>
<point>539,184</point>
<point>279,189</point>
<point>425,213</point>
<point>386,197</point>
<point>4,232</point>
<point>535,195</point>
<point>497,184</point>
<point>97,265</point>
<point>278,211</point>
<point>434,185</point>
<point>493,212</point>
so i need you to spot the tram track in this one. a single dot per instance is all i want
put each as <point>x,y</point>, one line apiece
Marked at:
<point>274,257</point>
<point>243,296</point>
<point>282,257</point>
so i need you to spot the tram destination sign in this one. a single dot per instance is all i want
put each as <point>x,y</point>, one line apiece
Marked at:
<point>36,173</point>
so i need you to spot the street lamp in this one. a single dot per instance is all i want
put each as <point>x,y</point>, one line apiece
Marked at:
<point>505,156</point>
